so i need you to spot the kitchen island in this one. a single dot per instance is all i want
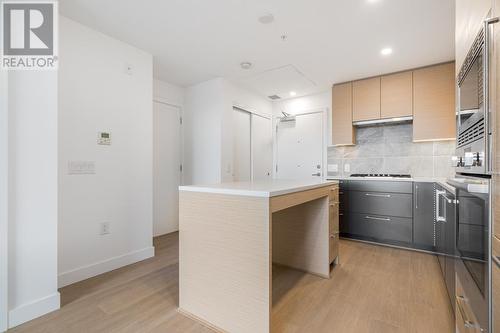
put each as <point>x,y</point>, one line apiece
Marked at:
<point>230,235</point>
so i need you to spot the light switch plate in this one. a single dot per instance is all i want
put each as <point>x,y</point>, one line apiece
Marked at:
<point>333,168</point>
<point>81,167</point>
<point>347,168</point>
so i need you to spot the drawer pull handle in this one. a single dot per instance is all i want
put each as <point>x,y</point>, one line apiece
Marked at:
<point>333,204</point>
<point>341,192</point>
<point>377,218</point>
<point>332,236</point>
<point>378,195</point>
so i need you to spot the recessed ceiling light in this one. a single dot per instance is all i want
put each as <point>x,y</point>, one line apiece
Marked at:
<point>386,51</point>
<point>266,19</point>
<point>293,93</point>
<point>246,65</point>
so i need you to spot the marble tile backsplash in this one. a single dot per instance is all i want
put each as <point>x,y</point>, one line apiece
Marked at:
<point>390,149</point>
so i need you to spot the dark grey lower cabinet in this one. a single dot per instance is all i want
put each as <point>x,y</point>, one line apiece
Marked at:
<point>423,215</point>
<point>380,228</point>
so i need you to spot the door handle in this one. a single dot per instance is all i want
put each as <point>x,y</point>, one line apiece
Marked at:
<point>439,218</point>
<point>486,97</point>
<point>416,196</point>
<point>377,218</point>
<point>378,195</point>
<point>318,174</point>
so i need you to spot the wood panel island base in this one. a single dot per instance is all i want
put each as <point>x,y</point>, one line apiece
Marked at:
<point>231,234</point>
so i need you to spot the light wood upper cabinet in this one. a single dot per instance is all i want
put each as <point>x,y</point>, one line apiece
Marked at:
<point>366,99</point>
<point>342,129</point>
<point>396,95</point>
<point>434,103</point>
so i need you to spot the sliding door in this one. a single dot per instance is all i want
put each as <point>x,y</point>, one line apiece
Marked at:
<point>252,146</point>
<point>262,148</point>
<point>242,158</point>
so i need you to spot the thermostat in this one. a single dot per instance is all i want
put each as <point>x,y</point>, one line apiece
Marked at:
<point>104,138</point>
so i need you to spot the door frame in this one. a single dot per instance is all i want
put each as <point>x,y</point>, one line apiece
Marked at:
<point>181,133</point>
<point>4,202</point>
<point>253,114</point>
<point>181,115</point>
<point>324,150</point>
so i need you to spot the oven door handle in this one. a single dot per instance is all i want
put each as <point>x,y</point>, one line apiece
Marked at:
<point>486,95</point>
<point>439,218</point>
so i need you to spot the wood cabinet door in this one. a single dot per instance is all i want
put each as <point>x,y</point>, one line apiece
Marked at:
<point>396,95</point>
<point>342,129</point>
<point>366,99</point>
<point>434,103</point>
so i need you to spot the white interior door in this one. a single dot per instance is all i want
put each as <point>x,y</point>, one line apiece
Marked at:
<point>167,168</point>
<point>242,138</point>
<point>300,147</point>
<point>262,148</point>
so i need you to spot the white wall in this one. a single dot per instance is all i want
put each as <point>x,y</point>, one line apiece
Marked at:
<point>168,93</point>
<point>32,271</point>
<point>307,103</point>
<point>96,94</point>
<point>208,148</point>
<point>203,132</point>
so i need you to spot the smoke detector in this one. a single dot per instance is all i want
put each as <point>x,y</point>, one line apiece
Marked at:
<point>266,19</point>
<point>246,65</point>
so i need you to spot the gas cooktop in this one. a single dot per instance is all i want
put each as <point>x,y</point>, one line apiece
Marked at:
<point>380,175</point>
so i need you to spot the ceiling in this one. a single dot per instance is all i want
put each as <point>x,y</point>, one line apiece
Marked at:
<point>327,41</point>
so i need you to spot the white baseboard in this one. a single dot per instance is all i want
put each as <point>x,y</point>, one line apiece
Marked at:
<point>85,272</point>
<point>34,309</point>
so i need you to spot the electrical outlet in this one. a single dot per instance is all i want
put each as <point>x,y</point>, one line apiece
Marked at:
<point>105,228</point>
<point>333,168</point>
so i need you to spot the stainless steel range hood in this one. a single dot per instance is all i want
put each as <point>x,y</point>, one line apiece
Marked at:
<point>396,120</point>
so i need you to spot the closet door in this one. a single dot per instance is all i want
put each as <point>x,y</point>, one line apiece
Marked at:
<point>242,159</point>
<point>262,148</point>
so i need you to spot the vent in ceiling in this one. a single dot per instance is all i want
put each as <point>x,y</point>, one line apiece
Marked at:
<point>274,97</point>
<point>280,82</point>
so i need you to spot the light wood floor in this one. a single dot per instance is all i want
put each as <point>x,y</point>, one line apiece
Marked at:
<point>375,289</point>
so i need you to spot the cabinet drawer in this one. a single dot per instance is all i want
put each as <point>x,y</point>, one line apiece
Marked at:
<point>462,325</point>
<point>465,319</point>
<point>379,227</point>
<point>334,194</point>
<point>334,246</point>
<point>381,186</point>
<point>334,217</point>
<point>387,204</point>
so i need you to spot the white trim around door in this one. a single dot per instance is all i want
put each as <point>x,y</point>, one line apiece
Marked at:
<point>4,173</point>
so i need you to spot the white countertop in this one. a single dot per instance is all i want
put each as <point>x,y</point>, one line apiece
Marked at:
<point>269,188</point>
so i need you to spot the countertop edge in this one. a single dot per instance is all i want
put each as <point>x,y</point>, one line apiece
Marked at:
<point>255,193</point>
